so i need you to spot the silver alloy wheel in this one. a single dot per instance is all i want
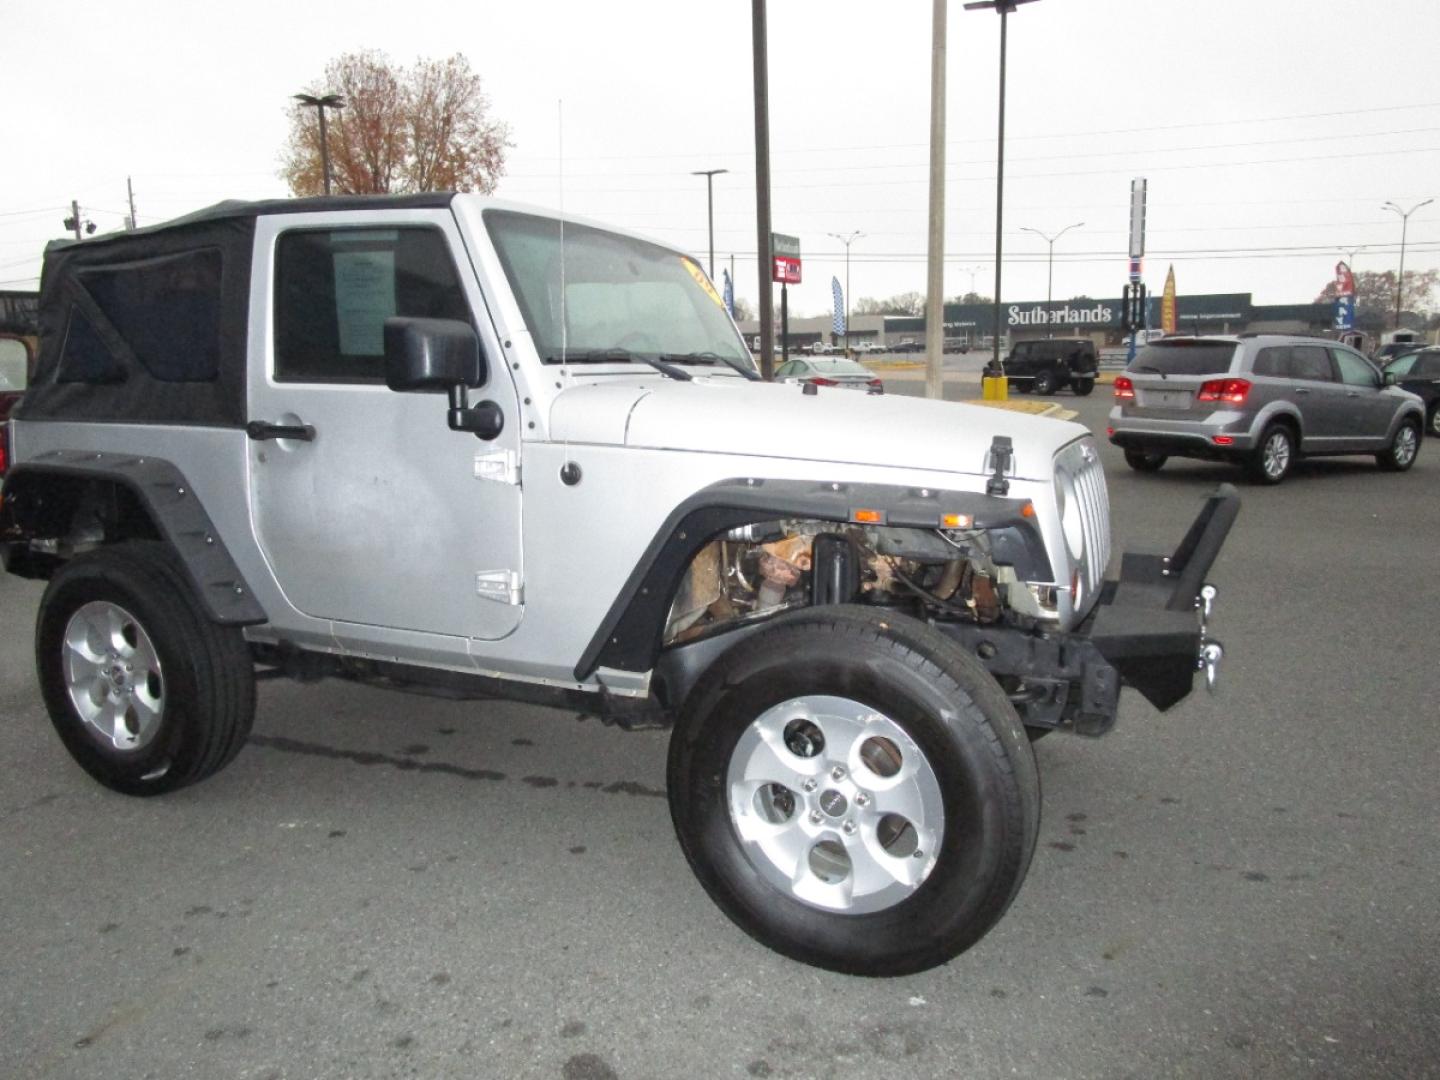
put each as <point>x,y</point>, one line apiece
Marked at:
<point>835,804</point>
<point>1276,454</point>
<point>112,673</point>
<point>1406,443</point>
<point>1435,421</point>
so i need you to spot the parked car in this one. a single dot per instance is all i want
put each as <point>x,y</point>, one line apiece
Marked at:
<point>1419,373</point>
<point>1261,401</point>
<point>1046,365</point>
<point>833,371</point>
<point>908,345</point>
<point>870,347</point>
<point>357,437</point>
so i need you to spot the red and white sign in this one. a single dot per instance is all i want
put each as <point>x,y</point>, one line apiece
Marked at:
<point>787,270</point>
<point>1344,280</point>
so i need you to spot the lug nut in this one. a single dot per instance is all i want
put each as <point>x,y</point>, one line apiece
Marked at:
<point>815,817</point>
<point>848,828</point>
<point>919,854</point>
<point>861,799</point>
<point>838,773</point>
<point>809,784</point>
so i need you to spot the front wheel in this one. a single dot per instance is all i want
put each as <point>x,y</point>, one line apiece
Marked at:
<point>1271,461</point>
<point>1432,424</point>
<point>1082,387</point>
<point>1403,448</point>
<point>1044,383</point>
<point>146,693</point>
<point>854,791</point>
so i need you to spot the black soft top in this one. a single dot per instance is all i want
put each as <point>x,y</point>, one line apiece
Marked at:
<point>156,318</point>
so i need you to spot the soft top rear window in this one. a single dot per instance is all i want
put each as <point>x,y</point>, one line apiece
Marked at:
<point>1189,357</point>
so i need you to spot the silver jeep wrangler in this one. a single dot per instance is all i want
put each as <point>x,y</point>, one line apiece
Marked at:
<point>445,443</point>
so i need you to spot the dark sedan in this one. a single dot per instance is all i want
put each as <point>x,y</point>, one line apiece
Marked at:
<point>1419,372</point>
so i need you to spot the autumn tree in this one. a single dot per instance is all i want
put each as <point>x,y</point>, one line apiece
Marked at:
<point>1375,298</point>
<point>426,127</point>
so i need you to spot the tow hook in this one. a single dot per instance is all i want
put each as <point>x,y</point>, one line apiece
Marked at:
<point>1211,652</point>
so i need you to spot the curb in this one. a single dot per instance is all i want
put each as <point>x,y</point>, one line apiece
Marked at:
<point>1034,408</point>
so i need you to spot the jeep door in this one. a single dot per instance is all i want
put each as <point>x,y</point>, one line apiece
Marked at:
<point>386,518</point>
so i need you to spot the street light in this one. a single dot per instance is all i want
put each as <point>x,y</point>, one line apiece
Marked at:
<point>709,175</point>
<point>847,241</point>
<point>1003,8</point>
<point>1050,265</point>
<point>1404,225</point>
<point>320,104</point>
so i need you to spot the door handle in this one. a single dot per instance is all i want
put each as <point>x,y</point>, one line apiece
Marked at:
<point>1302,390</point>
<point>261,429</point>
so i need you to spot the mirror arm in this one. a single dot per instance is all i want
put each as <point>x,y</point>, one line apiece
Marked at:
<point>484,421</point>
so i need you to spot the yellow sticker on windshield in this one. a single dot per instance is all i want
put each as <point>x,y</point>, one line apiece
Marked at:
<point>702,280</point>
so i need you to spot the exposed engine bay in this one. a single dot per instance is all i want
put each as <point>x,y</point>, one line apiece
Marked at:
<point>757,570</point>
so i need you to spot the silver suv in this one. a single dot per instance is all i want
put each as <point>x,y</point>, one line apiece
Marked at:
<point>451,445</point>
<point>1261,401</point>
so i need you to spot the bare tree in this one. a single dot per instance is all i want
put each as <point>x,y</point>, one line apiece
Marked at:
<point>423,128</point>
<point>1375,297</point>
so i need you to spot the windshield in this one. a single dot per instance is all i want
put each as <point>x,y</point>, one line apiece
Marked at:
<point>620,294</point>
<point>839,366</point>
<point>1185,358</point>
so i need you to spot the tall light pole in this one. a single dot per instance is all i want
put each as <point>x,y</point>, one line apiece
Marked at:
<point>847,241</point>
<point>709,175</point>
<point>765,257</point>
<point>320,104</point>
<point>935,276</point>
<point>1004,8</point>
<point>1404,226</point>
<point>1050,264</point>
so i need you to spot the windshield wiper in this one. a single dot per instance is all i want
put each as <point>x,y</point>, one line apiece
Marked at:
<point>1150,370</point>
<point>621,356</point>
<point>711,358</point>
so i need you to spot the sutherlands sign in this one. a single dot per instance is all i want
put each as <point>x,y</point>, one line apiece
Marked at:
<point>1099,315</point>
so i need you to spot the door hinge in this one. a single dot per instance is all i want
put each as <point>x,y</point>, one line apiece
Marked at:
<point>502,586</point>
<point>501,466</point>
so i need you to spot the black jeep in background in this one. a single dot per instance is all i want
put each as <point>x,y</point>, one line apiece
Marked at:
<point>1047,365</point>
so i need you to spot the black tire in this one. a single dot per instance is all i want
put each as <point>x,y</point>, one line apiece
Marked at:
<point>1020,386</point>
<point>1044,383</point>
<point>1404,448</point>
<point>1273,456</point>
<point>202,679</point>
<point>952,719</point>
<point>1082,387</point>
<point>1144,460</point>
<point>1432,422</point>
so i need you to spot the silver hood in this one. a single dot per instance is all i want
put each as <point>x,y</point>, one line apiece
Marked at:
<point>725,415</point>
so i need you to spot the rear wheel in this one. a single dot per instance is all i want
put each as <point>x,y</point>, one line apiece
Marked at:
<point>1403,448</point>
<point>1083,386</point>
<point>854,791</point>
<point>1044,383</point>
<point>1144,461</point>
<point>1432,424</point>
<point>1271,461</point>
<point>145,691</point>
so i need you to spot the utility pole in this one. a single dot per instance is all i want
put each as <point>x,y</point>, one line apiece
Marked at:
<point>1050,265</point>
<point>74,221</point>
<point>1003,8</point>
<point>709,175</point>
<point>847,241</point>
<point>1404,227</point>
<point>935,282</point>
<point>320,104</point>
<point>130,191</point>
<point>762,190</point>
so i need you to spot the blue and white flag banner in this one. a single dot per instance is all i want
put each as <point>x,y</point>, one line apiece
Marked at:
<point>729,293</point>
<point>837,324</point>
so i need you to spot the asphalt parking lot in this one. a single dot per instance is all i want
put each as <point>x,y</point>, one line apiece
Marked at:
<point>385,885</point>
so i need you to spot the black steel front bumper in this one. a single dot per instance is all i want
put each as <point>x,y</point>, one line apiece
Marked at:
<point>1148,631</point>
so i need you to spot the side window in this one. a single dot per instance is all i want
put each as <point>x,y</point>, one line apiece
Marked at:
<point>1354,371</point>
<point>85,358</point>
<point>1400,368</point>
<point>14,364</point>
<point>1428,364</point>
<point>1311,362</point>
<point>1271,361</point>
<point>334,289</point>
<point>784,371</point>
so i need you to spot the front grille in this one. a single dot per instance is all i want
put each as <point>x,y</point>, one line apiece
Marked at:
<point>1082,462</point>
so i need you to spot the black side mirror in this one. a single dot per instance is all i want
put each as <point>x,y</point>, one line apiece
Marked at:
<point>442,354</point>
<point>432,354</point>
<point>1389,377</point>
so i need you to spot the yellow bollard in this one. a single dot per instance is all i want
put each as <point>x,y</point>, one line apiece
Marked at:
<point>994,388</point>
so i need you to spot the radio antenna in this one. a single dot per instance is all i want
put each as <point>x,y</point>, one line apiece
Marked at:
<point>560,139</point>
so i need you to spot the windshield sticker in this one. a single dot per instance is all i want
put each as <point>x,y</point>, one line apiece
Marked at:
<point>702,280</point>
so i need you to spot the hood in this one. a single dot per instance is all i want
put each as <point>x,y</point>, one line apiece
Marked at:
<point>732,416</point>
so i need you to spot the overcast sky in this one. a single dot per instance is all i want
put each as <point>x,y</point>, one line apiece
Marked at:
<point>1270,133</point>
